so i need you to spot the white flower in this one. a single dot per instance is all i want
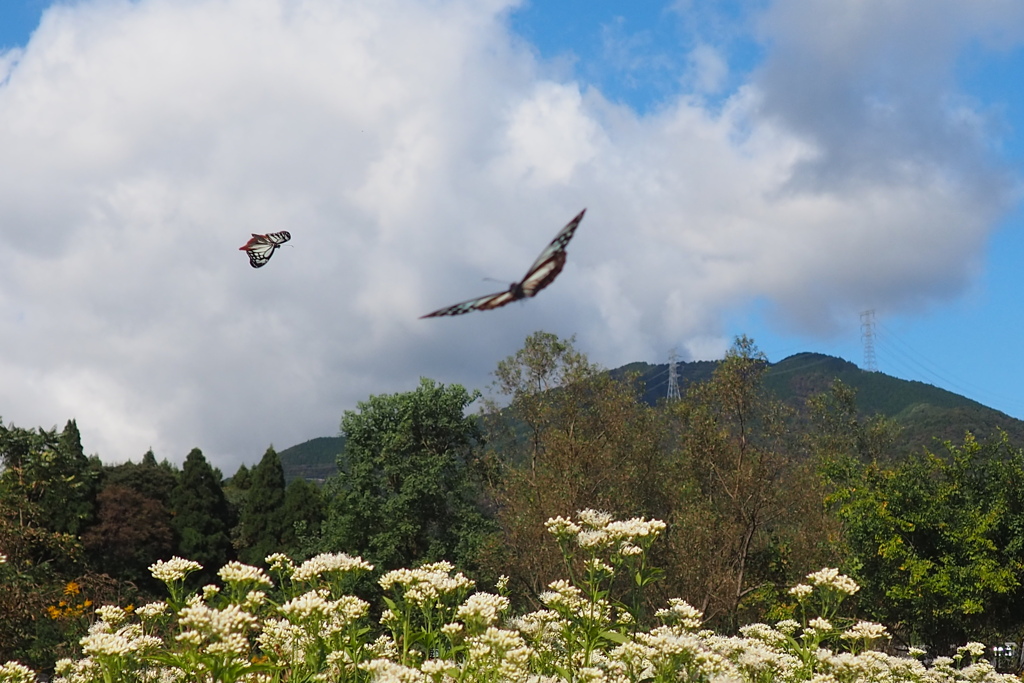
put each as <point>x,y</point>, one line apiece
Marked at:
<point>425,585</point>
<point>681,612</point>
<point>593,518</point>
<point>452,629</point>
<point>329,562</point>
<point>111,614</point>
<point>830,577</point>
<point>236,572</point>
<point>801,590</point>
<point>764,633</point>
<point>973,649</point>
<point>122,642</point>
<point>15,672</point>
<point>482,607</point>
<point>174,569</point>
<point>820,625</point>
<point>151,609</point>
<point>225,629</point>
<point>865,630</point>
<point>386,671</point>
<point>561,527</point>
<point>279,562</point>
<point>307,604</point>
<point>787,626</point>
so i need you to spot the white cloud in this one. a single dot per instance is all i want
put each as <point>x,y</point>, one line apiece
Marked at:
<point>413,148</point>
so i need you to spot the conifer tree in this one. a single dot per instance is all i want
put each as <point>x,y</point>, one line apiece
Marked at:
<point>262,520</point>
<point>304,512</point>
<point>50,470</point>
<point>202,516</point>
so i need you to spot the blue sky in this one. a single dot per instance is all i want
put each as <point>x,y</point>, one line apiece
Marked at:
<point>760,168</point>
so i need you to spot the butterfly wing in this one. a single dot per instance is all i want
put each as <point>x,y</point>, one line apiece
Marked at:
<point>260,248</point>
<point>483,303</point>
<point>541,274</point>
<point>551,261</point>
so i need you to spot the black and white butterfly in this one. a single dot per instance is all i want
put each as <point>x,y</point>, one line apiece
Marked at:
<point>541,274</point>
<point>261,247</point>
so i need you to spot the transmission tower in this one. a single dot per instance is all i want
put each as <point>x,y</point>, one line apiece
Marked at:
<point>867,335</point>
<point>673,377</point>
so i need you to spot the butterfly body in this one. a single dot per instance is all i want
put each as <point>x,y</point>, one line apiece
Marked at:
<point>260,248</point>
<point>541,274</point>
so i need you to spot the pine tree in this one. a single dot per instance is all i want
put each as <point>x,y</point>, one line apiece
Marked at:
<point>262,520</point>
<point>202,516</point>
<point>304,513</point>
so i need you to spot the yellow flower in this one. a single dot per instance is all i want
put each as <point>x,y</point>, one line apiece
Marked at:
<point>72,588</point>
<point>129,609</point>
<point>53,611</point>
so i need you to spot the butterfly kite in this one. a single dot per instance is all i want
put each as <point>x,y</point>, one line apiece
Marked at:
<point>541,274</point>
<point>261,247</point>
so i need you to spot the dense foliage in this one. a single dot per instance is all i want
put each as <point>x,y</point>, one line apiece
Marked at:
<point>755,495</point>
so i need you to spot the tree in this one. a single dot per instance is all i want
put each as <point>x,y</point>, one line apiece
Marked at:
<point>937,542</point>
<point>131,532</point>
<point>150,479</point>
<point>571,437</point>
<point>405,495</point>
<point>202,516</point>
<point>263,522</point>
<point>304,511</point>
<point>838,433</point>
<point>746,508</point>
<point>50,470</point>
<point>40,559</point>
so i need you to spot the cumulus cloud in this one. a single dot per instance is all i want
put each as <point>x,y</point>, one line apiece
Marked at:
<point>413,148</point>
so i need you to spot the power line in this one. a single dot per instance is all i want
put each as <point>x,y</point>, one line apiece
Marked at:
<point>936,373</point>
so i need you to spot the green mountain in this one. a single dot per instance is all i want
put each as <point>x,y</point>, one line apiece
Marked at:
<point>924,412</point>
<point>314,460</point>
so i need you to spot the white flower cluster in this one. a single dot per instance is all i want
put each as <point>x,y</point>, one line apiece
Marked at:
<point>15,672</point>
<point>598,529</point>
<point>222,630</point>
<point>499,654</point>
<point>238,573</point>
<point>312,637</point>
<point>482,608</point>
<point>386,671</point>
<point>329,616</point>
<point>151,609</point>
<point>103,640</point>
<point>831,578</point>
<point>111,614</point>
<point>279,562</point>
<point>866,630</point>
<point>315,567</point>
<point>425,585</point>
<point>174,569</point>
<point>681,613</point>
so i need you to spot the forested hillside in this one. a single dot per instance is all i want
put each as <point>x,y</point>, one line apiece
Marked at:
<point>760,473</point>
<point>924,413</point>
